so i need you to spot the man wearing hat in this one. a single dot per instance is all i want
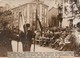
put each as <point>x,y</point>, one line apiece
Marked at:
<point>26,37</point>
<point>6,37</point>
<point>76,36</point>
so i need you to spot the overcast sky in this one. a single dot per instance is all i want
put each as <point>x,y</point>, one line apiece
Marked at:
<point>14,3</point>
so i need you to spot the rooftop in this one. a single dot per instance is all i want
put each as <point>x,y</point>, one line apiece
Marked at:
<point>31,3</point>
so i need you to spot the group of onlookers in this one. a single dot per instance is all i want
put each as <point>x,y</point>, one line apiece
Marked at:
<point>8,36</point>
<point>61,39</point>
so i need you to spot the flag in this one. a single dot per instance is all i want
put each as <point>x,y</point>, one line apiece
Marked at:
<point>21,22</point>
<point>37,20</point>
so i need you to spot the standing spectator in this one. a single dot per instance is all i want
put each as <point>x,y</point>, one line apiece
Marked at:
<point>6,37</point>
<point>26,37</point>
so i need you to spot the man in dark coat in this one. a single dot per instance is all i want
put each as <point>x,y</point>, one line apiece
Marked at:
<point>6,36</point>
<point>26,37</point>
<point>5,43</point>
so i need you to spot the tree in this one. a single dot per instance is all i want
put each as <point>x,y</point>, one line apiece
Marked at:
<point>1,13</point>
<point>3,24</point>
<point>6,17</point>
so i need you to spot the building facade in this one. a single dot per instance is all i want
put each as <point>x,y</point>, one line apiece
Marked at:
<point>53,13</point>
<point>27,14</point>
<point>52,17</point>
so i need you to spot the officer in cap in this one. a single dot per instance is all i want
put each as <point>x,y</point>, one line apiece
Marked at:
<point>26,37</point>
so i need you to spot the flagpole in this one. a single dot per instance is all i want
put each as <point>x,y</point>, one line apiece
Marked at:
<point>35,26</point>
<point>34,45</point>
<point>35,29</point>
<point>18,29</point>
<point>18,32</point>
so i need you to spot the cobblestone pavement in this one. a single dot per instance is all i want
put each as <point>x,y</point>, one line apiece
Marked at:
<point>42,49</point>
<point>37,49</point>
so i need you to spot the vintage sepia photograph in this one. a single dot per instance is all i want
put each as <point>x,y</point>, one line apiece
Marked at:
<point>39,26</point>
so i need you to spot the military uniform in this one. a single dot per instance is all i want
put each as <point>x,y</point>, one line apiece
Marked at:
<point>6,36</point>
<point>26,39</point>
<point>5,43</point>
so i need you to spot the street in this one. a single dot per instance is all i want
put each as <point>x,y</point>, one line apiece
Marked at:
<point>54,25</point>
<point>37,49</point>
<point>42,49</point>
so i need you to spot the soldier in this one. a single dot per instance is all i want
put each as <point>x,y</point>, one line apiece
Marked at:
<point>6,36</point>
<point>26,37</point>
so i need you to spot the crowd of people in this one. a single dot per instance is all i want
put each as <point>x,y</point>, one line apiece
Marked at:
<point>52,36</point>
<point>62,39</point>
<point>8,36</point>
